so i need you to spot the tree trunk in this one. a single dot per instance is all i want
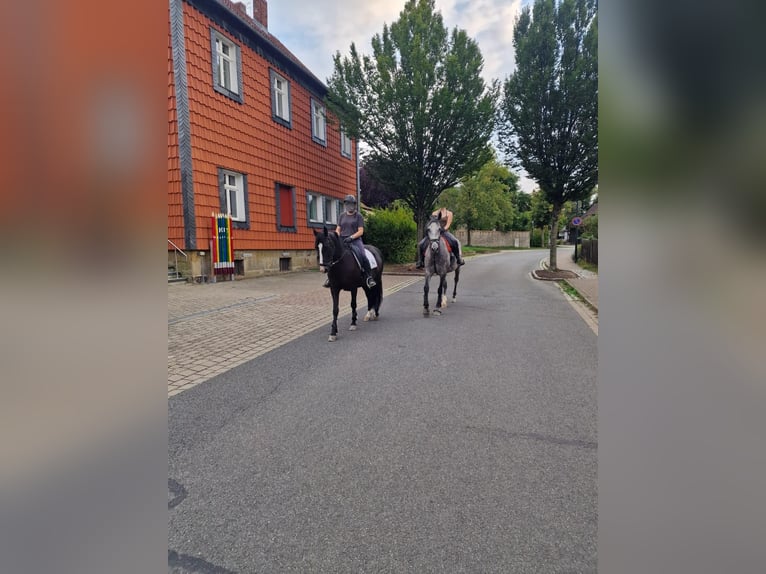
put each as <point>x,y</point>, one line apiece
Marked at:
<point>468,231</point>
<point>420,219</point>
<point>554,234</point>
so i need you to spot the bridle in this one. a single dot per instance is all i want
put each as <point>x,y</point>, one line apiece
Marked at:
<point>343,252</point>
<point>441,231</point>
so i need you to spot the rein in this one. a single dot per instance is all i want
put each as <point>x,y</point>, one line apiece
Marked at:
<point>343,251</point>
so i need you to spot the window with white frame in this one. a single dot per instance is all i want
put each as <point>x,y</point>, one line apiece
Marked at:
<point>227,76</point>
<point>318,123</point>
<point>331,210</point>
<point>322,210</point>
<point>280,98</point>
<point>315,208</point>
<point>233,195</point>
<point>345,144</point>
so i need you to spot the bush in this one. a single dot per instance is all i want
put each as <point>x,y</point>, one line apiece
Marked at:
<point>590,227</point>
<point>536,239</point>
<point>394,232</point>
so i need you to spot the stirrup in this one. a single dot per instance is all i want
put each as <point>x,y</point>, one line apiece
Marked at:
<point>419,265</point>
<point>370,282</point>
<point>326,282</point>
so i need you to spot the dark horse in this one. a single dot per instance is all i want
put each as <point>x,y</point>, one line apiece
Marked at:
<point>438,262</point>
<point>338,261</point>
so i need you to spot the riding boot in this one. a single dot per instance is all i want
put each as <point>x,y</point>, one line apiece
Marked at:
<point>420,264</point>
<point>456,253</point>
<point>368,280</point>
<point>326,281</point>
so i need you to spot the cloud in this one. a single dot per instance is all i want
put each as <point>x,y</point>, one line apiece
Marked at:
<point>315,31</point>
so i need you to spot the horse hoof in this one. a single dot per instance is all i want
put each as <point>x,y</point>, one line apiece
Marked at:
<point>366,318</point>
<point>352,328</point>
<point>437,311</point>
<point>332,338</point>
<point>454,299</point>
<point>426,313</point>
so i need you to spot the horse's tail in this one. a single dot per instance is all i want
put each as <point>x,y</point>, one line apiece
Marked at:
<point>378,289</point>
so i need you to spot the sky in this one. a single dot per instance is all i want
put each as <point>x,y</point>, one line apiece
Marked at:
<point>314,30</point>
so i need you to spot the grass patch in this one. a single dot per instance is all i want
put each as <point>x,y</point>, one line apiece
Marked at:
<point>569,290</point>
<point>575,294</point>
<point>587,266</point>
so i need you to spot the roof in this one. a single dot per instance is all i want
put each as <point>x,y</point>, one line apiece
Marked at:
<point>592,210</point>
<point>258,33</point>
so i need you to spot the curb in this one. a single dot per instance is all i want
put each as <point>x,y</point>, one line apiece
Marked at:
<point>544,265</point>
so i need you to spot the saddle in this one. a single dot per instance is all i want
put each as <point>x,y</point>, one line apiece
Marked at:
<point>370,258</point>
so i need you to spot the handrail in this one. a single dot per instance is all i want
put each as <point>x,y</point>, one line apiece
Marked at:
<point>181,251</point>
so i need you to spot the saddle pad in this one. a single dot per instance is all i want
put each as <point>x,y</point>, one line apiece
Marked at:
<point>371,259</point>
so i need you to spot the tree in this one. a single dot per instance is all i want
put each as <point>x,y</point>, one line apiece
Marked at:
<point>522,204</point>
<point>419,103</point>
<point>373,193</point>
<point>548,116</point>
<point>539,212</point>
<point>482,201</point>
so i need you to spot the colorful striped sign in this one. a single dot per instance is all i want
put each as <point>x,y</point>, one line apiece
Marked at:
<point>222,250</point>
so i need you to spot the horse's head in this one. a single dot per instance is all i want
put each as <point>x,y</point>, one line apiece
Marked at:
<point>434,232</point>
<point>329,248</point>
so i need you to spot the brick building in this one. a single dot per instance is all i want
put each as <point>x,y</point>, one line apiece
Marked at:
<point>249,136</point>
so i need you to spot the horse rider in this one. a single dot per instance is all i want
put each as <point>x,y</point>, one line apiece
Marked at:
<point>351,228</point>
<point>445,220</point>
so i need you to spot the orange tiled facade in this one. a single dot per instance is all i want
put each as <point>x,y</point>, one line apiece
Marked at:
<point>246,134</point>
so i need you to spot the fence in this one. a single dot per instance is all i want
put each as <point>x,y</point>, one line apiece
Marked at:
<point>589,250</point>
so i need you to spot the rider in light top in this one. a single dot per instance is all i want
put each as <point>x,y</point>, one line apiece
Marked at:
<point>445,220</point>
<point>351,228</point>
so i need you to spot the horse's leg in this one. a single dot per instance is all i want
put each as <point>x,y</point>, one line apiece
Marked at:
<point>378,297</point>
<point>425,293</point>
<point>378,290</point>
<point>440,292</point>
<point>334,328</point>
<point>457,278</point>
<point>373,301</point>
<point>353,311</point>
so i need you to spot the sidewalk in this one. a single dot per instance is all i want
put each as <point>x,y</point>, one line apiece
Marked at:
<point>213,327</point>
<point>586,282</point>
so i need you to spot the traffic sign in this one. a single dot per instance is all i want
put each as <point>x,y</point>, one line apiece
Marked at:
<point>577,221</point>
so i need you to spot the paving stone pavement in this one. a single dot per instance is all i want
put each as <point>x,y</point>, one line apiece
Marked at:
<point>214,327</point>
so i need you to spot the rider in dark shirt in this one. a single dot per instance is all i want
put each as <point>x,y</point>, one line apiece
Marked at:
<point>351,228</point>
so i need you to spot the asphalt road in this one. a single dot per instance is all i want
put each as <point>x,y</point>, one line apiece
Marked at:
<point>459,443</point>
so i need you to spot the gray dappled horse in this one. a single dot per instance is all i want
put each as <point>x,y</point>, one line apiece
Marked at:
<point>338,261</point>
<point>438,261</point>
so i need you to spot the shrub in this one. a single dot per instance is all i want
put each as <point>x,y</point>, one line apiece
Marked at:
<point>394,232</point>
<point>536,239</point>
<point>590,228</point>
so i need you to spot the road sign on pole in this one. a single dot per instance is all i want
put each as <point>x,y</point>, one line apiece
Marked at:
<point>576,221</point>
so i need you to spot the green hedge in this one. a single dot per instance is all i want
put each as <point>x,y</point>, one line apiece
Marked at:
<point>394,232</point>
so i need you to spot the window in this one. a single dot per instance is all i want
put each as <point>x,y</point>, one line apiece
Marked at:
<point>322,210</point>
<point>318,124</point>
<point>345,144</point>
<point>331,210</point>
<point>280,99</point>
<point>227,68</point>
<point>232,190</point>
<point>285,207</point>
<point>315,208</point>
